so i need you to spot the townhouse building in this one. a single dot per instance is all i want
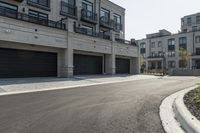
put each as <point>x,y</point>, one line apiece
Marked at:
<point>162,50</point>
<point>42,38</point>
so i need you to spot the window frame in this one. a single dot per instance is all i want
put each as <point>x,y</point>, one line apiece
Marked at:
<point>38,5</point>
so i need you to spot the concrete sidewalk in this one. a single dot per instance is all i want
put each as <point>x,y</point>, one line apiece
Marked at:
<point>40,84</point>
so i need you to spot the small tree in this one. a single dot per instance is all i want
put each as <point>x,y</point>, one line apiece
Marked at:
<point>184,56</point>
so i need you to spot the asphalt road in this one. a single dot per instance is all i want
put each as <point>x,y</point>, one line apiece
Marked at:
<point>128,107</point>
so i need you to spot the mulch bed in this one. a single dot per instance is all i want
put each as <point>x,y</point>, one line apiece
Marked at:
<point>191,103</point>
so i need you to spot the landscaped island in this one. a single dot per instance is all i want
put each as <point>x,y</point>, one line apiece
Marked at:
<point>192,101</point>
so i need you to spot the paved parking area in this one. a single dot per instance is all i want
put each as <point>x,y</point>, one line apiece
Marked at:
<point>126,107</point>
<point>39,84</point>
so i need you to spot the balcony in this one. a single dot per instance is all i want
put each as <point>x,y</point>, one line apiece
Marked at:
<point>91,33</point>
<point>156,56</point>
<point>106,22</point>
<point>39,4</point>
<point>5,12</point>
<point>117,27</point>
<point>171,47</point>
<point>68,10</point>
<point>119,40</point>
<point>88,16</point>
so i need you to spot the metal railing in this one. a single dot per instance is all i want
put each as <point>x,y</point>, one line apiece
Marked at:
<point>88,15</point>
<point>119,40</point>
<point>156,56</point>
<point>107,22</point>
<point>91,33</point>
<point>68,9</point>
<point>5,12</point>
<point>117,26</point>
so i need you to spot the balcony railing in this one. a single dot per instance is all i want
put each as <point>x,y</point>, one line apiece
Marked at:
<point>91,33</point>
<point>156,56</point>
<point>28,18</point>
<point>117,26</point>
<point>88,16</point>
<point>68,9</point>
<point>119,40</point>
<point>171,47</point>
<point>106,22</point>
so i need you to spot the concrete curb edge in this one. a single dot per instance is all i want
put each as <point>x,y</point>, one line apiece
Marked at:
<point>167,115</point>
<point>188,122</point>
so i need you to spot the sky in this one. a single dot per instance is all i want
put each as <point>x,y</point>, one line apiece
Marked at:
<point>149,16</point>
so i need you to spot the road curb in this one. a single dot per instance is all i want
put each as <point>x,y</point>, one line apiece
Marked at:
<point>168,115</point>
<point>188,122</point>
<point>67,87</point>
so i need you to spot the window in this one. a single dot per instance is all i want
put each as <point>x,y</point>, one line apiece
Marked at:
<point>197,39</point>
<point>40,3</point>
<point>88,6</point>
<point>197,51</point>
<point>105,15</point>
<point>182,64</point>
<point>194,28</point>
<point>183,42</point>
<point>153,54</point>
<point>198,19</point>
<point>68,7</point>
<point>189,21</point>
<point>38,17</point>
<point>159,44</point>
<point>171,64</point>
<point>117,22</point>
<point>171,54</point>
<point>87,29</point>
<point>143,45</point>
<point>171,44</point>
<point>8,10</point>
<point>160,53</point>
<point>153,45</point>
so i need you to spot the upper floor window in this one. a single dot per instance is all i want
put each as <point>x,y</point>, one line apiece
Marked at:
<point>197,39</point>
<point>159,44</point>
<point>117,22</point>
<point>68,7</point>
<point>87,6</point>
<point>143,45</point>
<point>198,19</point>
<point>189,21</point>
<point>153,45</point>
<point>183,42</point>
<point>171,54</point>
<point>117,18</point>
<point>197,51</point>
<point>171,44</point>
<point>105,14</point>
<point>44,3</point>
<point>194,28</point>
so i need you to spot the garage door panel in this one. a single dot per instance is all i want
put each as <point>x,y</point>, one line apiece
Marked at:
<point>20,63</point>
<point>87,64</point>
<point>122,66</point>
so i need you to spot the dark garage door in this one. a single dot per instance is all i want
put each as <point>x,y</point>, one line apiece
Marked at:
<point>122,66</point>
<point>87,64</point>
<point>21,63</point>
